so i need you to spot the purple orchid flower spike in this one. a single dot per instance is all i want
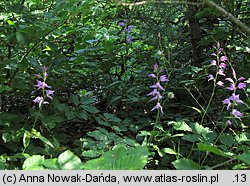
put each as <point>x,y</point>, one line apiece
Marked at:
<point>220,83</point>
<point>221,72</point>
<point>157,85</point>
<point>153,92</point>
<point>158,96</point>
<point>213,63</point>
<point>229,122</point>
<point>223,58</point>
<point>242,79</point>
<point>155,67</point>
<point>236,98</point>
<point>41,85</point>
<point>223,65</point>
<point>50,93</point>
<point>231,87</point>
<point>152,75</point>
<point>242,85</point>
<point>157,106</point>
<point>38,76</point>
<point>164,78</point>
<point>210,77</point>
<point>227,102</point>
<point>40,101</point>
<point>236,113</point>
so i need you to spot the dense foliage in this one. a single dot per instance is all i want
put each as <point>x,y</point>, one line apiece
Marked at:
<point>118,84</point>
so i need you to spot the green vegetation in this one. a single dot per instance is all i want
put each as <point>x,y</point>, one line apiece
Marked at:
<point>124,85</point>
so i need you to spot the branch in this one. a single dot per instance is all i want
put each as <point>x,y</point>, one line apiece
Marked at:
<point>236,21</point>
<point>160,2</point>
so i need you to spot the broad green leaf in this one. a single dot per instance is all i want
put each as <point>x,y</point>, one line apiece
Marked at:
<point>51,164</point>
<point>97,164</point>
<point>34,162</point>
<point>120,158</point>
<point>180,125</point>
<point>90,109</point>
<point>68,161</point>
<point>191,137</point>
<point>86,100</point>
<point>245,157</point>
<point>112,117</point>
<point>213,149</point>
<point>82,115</point>
<point>186,164</point>
<point>227,139</point>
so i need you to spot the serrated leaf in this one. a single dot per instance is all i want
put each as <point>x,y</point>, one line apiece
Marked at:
<point>186,164</point>
<point>68,161</point>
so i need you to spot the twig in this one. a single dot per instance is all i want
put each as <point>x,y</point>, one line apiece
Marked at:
<point>160,2</point>
<point>236,21</point>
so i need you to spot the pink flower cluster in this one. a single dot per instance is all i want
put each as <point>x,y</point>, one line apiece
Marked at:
<point>157,87</point>
<point>42,85</point>
<point>234,83</point>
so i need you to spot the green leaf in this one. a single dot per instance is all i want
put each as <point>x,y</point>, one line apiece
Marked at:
<point>186,164</point>
<point>168,151</point>
<point>241,138</point>
<point>75,99</point>
<point>34,162</point>
<point>26,139</point>
<point>180,125</point>
<point>213,149</point>
<point>68,161</point>
<point>51,164</point>
<point>36,134</point>
<point>227,139</point>
<point>120,158</point>
<point>4,88</point>
<point>191,137</point>
<point>90,109</point>
<point>70,114</point>
<point>87,100</point>
<point>82,115</point>
<point>245,157</point>
<point>112,117</point>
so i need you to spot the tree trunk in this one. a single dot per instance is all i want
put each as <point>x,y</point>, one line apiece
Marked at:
<point>195,33</point>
